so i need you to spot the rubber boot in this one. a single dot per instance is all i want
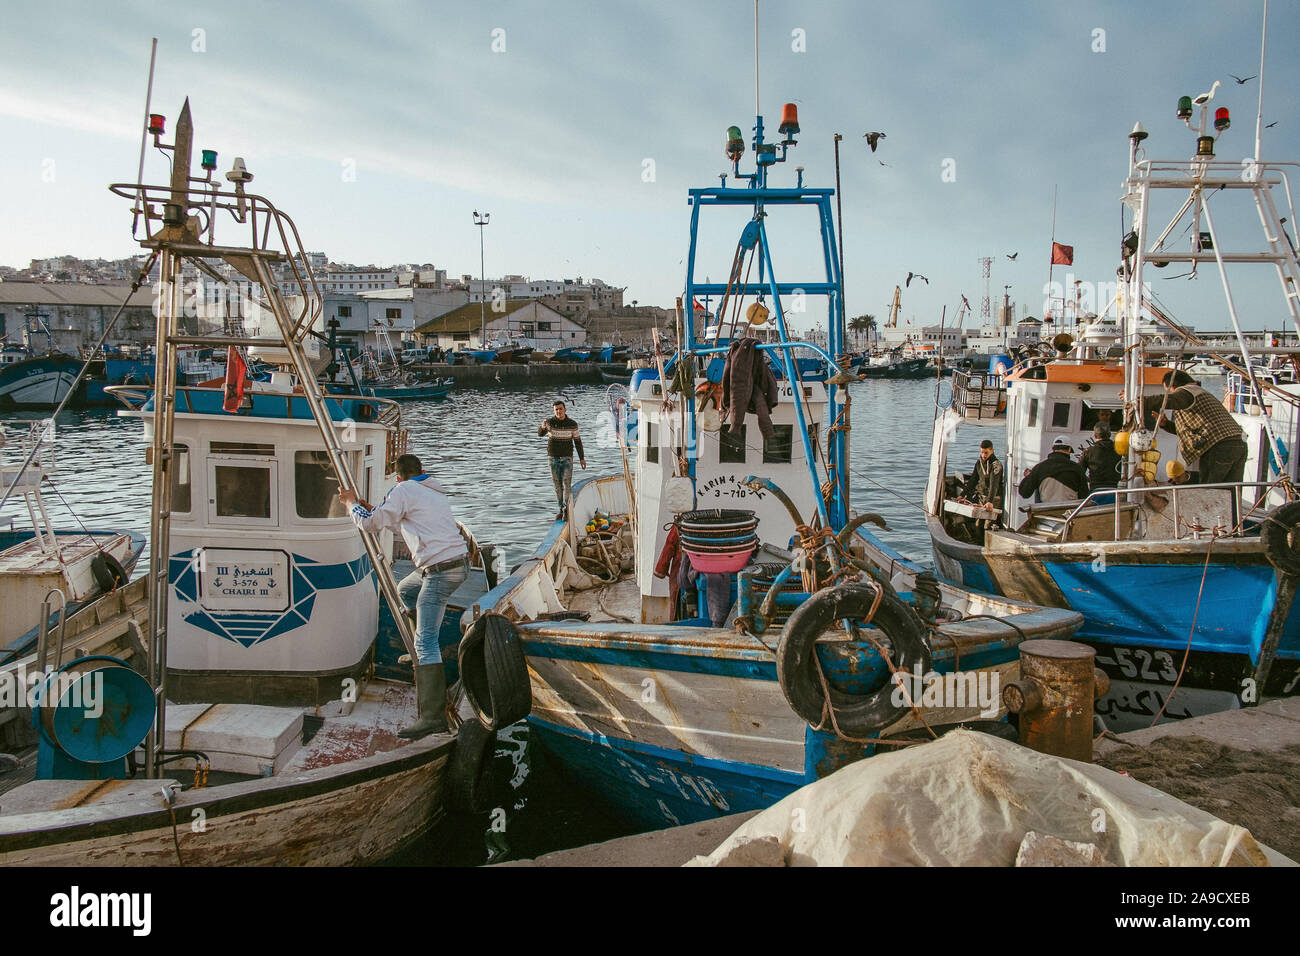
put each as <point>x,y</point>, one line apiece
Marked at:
<point>431,702</point>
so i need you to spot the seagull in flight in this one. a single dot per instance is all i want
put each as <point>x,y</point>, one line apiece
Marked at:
<point>873,139</point>
<point>1270,125</point>
<point>883,163</point>
<point>1240,81</point>
<point>915,275</point>
<point>1012,256</point>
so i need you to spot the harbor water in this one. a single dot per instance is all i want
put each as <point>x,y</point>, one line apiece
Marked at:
<point>483,445</point>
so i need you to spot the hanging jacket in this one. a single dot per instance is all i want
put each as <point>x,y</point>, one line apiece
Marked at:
<point>748,385</point>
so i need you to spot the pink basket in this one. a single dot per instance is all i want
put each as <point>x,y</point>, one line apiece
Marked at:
<point>725,563</point>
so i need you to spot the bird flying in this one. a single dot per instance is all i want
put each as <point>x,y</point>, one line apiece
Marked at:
<point>1012,256</point>
<point>873,139</point>
<point>1240,81</point>
<point>915,275</point>
<point>1270,125</point>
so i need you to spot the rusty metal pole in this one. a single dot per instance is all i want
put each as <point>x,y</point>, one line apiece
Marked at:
<point>1054,697</point>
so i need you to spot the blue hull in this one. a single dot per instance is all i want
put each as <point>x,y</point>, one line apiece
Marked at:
<point>1140,615</point>
<point>655,788</point>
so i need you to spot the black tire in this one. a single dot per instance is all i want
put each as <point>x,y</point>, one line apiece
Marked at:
<point>108,572</point>
<point>494,672</point>
<point>471,778</point>
<point>1281,536</point>
<point>796,664</point>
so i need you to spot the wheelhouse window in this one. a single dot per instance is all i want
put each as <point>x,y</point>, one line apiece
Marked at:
<point>731,447</point>
<point>181,480</point>
<point>1033,413</point>
<point>241,491</point>
<point>1060,414</point>
<point>652,442</point>
<point>778,449</point>
<point>316,487</point>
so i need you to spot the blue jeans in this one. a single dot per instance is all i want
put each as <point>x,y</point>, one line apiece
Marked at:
<point>428,596</point>
<point>562,477</point>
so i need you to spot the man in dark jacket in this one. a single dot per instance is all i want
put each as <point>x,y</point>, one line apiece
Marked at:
<point>1206,430</point>
<point>1101,460</point>
<point>1056,477</point>
<point>984,485</point>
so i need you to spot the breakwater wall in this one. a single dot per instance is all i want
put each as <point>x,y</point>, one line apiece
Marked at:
<point>496,373</point>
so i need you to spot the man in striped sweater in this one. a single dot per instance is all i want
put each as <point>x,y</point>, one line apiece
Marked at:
<point>563,433</point>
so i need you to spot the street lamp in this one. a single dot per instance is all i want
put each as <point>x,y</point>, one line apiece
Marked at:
<point>481,221</point>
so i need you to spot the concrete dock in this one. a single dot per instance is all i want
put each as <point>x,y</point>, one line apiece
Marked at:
<point>1243,766</point>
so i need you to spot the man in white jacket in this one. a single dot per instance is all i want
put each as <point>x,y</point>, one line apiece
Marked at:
<point>417,506</point>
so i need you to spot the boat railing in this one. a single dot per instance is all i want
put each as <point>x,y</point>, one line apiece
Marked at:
<point>1229,524</point>
<point>265,224</point>
<point>979,394</point>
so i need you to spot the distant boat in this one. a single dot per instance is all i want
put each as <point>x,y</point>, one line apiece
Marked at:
<point>39,381</point>
<point>616,375</point>
<point>417,391</point>
<point>900,368</point>
<point>573,354</point>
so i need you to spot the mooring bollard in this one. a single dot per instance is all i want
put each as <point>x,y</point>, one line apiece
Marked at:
<point>1054,697</point>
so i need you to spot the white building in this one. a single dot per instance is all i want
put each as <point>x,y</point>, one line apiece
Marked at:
<point>520,321</point>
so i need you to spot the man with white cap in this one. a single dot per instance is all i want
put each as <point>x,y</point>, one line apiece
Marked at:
<point>1056,477</point>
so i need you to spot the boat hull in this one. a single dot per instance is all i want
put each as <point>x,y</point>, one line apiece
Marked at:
<point>40,382</point>
<point>1145,611</point>
<point>352,813</point>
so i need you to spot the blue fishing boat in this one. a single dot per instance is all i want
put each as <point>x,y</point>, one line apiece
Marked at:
<point>786,650</point>
<point>1186,589</point>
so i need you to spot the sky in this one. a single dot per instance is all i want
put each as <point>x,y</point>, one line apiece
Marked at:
<point>579,126</point>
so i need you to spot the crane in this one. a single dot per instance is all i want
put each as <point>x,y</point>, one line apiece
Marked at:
<point>892,321</point>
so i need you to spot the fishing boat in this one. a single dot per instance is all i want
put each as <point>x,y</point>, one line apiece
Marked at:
<point>248,724</point>
<point>893,365</point>
<point>48,576</point>
<point>672,709</point>
<point>38,382</point>
<point>1186,589</point>
<point>616,374</point>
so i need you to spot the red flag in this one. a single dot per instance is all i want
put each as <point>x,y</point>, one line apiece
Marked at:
<point>1062,255</point>
<point>236,380</point>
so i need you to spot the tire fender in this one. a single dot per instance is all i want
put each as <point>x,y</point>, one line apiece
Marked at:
<point>797,665</point>
<point>108,572</point>
<point>470,777</point>
<point>494,672</point>
<point>1281,537</point>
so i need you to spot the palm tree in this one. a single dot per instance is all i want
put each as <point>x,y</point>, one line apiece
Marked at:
<point>863,323</point>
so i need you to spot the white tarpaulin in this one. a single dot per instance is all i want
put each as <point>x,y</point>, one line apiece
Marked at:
<point>970,799</point>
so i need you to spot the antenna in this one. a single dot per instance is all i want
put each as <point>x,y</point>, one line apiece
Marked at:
<point>757,111</point>
<point>1259,113</point>
<point>986,313</point>
<point>144,135</point>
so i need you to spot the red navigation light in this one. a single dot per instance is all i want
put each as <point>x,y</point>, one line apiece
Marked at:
<point>156,123</point>
<point>789,119</point>
<point>1221,119</point>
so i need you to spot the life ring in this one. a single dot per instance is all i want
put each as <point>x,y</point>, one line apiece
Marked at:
<point>108,572</point>
<point>797,665</point>
<point>1281,536</point>
<point>494,673</point>
<point>470,772</point>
